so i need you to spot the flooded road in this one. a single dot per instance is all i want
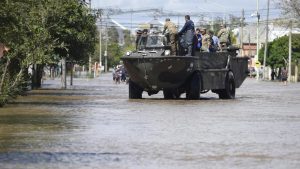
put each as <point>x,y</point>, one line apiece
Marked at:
<point>94,125</point>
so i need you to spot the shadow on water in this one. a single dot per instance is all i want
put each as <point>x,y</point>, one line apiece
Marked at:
<point>58,157</point>
<point>33,119</point>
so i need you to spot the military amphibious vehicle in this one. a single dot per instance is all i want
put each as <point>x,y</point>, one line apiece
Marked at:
<point>152,69</point>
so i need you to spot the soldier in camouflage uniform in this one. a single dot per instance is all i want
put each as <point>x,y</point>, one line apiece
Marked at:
<point>223,36</point>
<point>206,40</point>
<point>138,37</point>
<point>171,31</point>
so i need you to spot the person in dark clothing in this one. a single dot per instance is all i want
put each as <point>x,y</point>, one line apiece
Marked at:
<point>273,74</point>
<point>189,31</point>
<point>199,40</point>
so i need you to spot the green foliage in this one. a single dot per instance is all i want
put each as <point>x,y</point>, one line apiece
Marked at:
<point>114,54</point>
<point>115,51</point>
<point>41,32</point>
<point>73,26</point>
<point>278,51</point>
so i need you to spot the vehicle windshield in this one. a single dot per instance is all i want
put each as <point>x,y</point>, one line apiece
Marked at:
<point>151,41</point>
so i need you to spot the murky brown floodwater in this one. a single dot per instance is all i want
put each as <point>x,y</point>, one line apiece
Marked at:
<point>96,126</point>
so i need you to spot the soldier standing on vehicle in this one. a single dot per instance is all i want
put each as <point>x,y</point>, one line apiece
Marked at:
<point>170,31</point>
<point>206,40</point>
<point>215,42</point>
<point>143,40</point>
<point>138,37</point>
<point>188,30</point>
<point>223,36</point>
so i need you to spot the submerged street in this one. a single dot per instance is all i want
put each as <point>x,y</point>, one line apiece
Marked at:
<point>94,125</point>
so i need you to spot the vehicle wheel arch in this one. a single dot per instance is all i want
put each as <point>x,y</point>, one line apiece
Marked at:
<point>194,86</point>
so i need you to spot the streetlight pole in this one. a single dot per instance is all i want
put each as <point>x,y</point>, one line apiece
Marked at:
<point>242,33</point>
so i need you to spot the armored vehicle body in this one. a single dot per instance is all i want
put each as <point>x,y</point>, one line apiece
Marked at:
<point>152,69</point>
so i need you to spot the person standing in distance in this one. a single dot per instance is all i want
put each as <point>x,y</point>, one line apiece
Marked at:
<point>170,30</point>
<point>284,76</point>
<point>188,30</point>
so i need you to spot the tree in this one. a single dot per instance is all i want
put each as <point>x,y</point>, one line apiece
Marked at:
<point>40,33</point>
<point>71,24</point>
<point>290,7</point>
<point>278,51</point>
<point>23,30</point>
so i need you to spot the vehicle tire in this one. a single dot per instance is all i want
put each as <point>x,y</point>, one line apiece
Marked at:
<point>194,87</point>
<point>135,91</point>
<point>229,91</point>
<point>169,94</point>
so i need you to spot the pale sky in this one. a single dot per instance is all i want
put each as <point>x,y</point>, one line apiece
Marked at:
<point>227,6</point>
<point>220,8</point>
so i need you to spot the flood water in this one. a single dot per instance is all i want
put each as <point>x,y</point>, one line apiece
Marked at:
<point>95,125</point>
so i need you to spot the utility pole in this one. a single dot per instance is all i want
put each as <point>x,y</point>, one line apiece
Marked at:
<point>90,58</point>
<point>266,42</point>
<point>131,20</point>
<point>105,52</point>
<point>100,42</point>
<point>242,32</point>
<point>290,52</point>
<point>257,37</point>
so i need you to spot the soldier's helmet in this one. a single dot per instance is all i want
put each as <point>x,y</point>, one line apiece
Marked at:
<point>203,29</point>
<point>145,31</point>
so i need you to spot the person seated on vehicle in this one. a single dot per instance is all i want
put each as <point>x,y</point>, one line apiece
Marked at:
<point>206,40</point>
<point>215,42</point>
<point>224,37</point>
<point>199,40</point>
<point>170,31</point>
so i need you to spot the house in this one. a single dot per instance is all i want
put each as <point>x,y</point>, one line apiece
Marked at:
<point>249,41</point>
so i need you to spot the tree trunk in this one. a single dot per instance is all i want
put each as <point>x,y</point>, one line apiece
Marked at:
<point>3,76</point>
<point>52,72</point>
<point>72,67</point>
<point>63,74</point>
<point>18,78</point>
<point>296,73</point>
<point>37,74</point>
